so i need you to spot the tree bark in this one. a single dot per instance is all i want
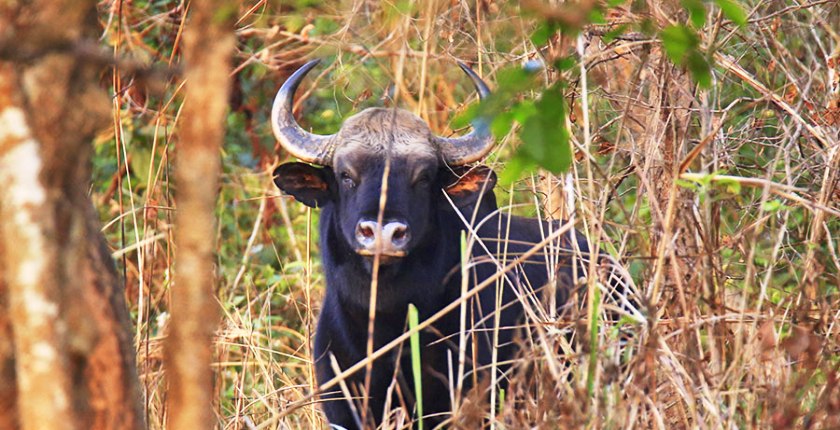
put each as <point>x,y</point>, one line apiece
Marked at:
<point>34,294</point>
<point>208,44</point>
<point>8,387</point>
<point>70,352</point>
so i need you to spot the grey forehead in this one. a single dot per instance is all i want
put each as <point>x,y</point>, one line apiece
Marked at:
<point>373,130</point>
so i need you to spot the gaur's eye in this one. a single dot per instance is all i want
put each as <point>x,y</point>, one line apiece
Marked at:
<point>348,180</point>
<point>422,180</point>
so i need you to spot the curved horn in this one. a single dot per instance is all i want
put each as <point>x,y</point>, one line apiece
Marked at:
<point>304,145</point>
<point>477,143</point>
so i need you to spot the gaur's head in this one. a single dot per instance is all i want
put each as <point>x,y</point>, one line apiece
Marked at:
<point>353,164</point>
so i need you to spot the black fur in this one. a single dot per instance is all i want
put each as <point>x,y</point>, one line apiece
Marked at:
<point>428,277</point>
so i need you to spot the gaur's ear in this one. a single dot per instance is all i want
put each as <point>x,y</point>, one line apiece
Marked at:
<point>466,186</point>
<point>309,185</point>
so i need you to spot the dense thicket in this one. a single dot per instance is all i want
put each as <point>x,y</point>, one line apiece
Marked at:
<point>695,141</point>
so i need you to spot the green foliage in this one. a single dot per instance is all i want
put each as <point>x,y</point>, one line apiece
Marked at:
<point>545,138</point>
<point>545,30</point>
<point>501,407</point>
<point>732,10</point>
<point>416,362</point>
<point>678,40</point>
<point>696,12</point>
<point>682,44</point>
<point>594,329</point>
<point>543,131</point>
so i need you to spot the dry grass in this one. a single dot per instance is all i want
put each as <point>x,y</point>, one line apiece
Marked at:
<point>737,274</point>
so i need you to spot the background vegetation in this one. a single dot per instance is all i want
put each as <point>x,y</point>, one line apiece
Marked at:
<point>695,141</point>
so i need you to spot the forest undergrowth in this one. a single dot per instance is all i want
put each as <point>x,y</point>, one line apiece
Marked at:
<point>696,142</point>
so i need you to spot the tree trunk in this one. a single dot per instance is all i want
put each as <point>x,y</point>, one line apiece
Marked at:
<point>8,387</point>
<point>208,44</point>
<point>70,344</point>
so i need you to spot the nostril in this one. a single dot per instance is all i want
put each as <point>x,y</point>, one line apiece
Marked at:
<point>366,233</point>
<point>399,235</point>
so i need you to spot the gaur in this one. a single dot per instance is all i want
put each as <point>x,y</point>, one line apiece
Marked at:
<point>429,189</point>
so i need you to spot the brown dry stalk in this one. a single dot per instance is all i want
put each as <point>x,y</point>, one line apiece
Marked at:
<point>208,45</point>
<point>730,65</point>
<point>778,189</point>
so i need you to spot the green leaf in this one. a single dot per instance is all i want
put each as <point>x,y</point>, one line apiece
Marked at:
<point>772,205</point>
<point>730,185</point>
<point>416,364</point>
<point>545,139</point>
<point>733,11</point>
<point>553,104</point>
<point>565,63</point>
<point>516,79</point>
<point>545,30</point>
<point>596,17</point>
<point>677,41</point>
<point>464,118</point>
<point>700,69</point>
<point>514,170</point>
<point>140,161</point>
<point>686,184</point>
<point>403,6</point>
<point>523,110</point>
<point>696,12</point>
<point>502,124</point>
<point>501,400</point>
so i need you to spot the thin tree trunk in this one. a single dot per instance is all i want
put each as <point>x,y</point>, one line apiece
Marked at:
<point>34,293</point>
<point>675,236</point>
<point>70,345</point>
<point>208,44</point>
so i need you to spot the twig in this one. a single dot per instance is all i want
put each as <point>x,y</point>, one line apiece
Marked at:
<point>729,64</point>
<point>778,189</point>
